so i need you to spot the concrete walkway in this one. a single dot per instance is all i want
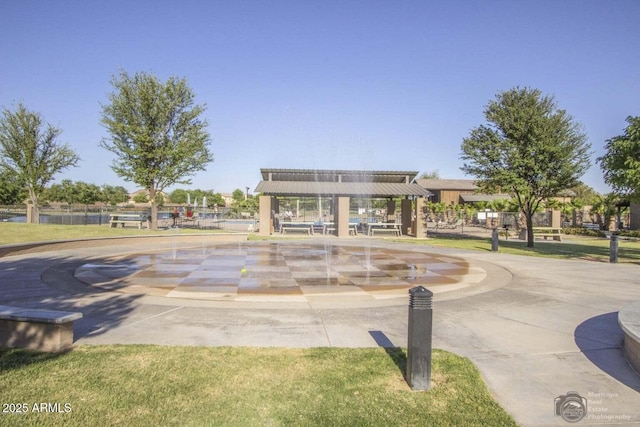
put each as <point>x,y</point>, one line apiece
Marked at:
<point>536,328</point>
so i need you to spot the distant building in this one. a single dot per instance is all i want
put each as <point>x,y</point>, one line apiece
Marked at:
<point>456,191</point>
<point>228,199</point>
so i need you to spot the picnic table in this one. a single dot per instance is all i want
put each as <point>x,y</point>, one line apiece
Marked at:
<point>553,232</point>
<point>296,226</point>
<point>328,227</point>
<point>384,227</point>
<point>120,218</point>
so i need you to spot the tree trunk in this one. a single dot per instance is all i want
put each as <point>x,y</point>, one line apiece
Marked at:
<point>35,209</point>
<point>154,209</point>
<point>529,218</point>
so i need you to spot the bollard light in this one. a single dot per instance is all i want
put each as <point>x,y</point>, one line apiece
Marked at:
<point>494,240</point>
<point>613,249</point>
<point>419,341</point>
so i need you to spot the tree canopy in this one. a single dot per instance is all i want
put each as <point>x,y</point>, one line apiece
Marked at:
<point>621,162</point>
<point>74,192</point>
<point>584,194</point>
<point>183,196</point>
<point>84,193</point>
<point>156,132</point>
<point>529,148</point>
<point>29,150</point>
<point>113,195</point>
<point>434,174</point>
<point>11,190</point>
<point>243,202</point>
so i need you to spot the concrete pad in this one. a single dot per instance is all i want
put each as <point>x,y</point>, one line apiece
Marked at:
<point>536,328</point>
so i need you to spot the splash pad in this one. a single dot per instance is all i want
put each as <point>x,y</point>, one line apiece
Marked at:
<point>283,271</point>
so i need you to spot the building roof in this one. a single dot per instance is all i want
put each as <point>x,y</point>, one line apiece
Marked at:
<point>447,184</point>
<point>472,198</point>
<point>317,182</point>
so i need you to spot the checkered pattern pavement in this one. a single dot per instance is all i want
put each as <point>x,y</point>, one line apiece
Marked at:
<point>261,269</point>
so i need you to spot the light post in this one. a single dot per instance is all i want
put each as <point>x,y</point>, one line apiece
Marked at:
<point>418,369</point>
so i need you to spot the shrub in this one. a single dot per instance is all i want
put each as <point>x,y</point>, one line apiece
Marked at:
<point>581,231</point>
<point>629,233</point>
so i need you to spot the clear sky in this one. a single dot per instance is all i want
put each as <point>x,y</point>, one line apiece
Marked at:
<point>378,85</point>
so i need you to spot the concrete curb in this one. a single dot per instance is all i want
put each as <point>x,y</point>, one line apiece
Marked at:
<point>629,321</point>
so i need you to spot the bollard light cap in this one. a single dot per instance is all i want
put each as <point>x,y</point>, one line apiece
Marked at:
<point>420,292</point>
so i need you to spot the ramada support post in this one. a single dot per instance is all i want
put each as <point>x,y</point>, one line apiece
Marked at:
<point>266,222</point>
<point>419,229</point>
<point>405,213</point>
<point>341,215</point>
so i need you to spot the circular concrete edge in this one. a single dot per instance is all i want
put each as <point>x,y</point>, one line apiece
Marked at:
<point>62,277</point>
<point>629,321</point>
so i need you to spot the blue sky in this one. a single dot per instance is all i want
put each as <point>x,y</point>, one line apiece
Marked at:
<point>381,85</point>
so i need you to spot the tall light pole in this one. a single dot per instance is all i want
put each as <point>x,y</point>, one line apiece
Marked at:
<point>246,194</point>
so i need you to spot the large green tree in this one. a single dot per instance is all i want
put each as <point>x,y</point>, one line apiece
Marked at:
<point>621,162</point>
<point>29,149</point>
<point>156,132</point>
<point>529,148</point>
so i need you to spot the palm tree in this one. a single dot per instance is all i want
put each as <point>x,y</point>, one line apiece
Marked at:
<point>604,209</point>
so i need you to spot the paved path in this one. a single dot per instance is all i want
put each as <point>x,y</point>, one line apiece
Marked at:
<point>536,328</point>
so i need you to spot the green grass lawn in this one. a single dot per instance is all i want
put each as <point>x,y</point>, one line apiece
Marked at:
<point>11,232</point>
<point>153,385</point>
<point>594,249</point>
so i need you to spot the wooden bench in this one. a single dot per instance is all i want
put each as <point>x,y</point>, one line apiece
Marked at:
<point>544,232</point>
<point>123,219</point>
<point>36,329</point>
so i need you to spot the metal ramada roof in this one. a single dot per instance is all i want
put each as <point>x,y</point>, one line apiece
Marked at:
<point>337,175</point>
<point>318,182</point>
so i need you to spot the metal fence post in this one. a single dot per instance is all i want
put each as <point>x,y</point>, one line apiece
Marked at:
<point>419,338</point>
<point>494,240</point>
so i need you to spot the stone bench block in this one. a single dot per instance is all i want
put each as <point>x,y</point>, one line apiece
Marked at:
<point>35,329</point>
